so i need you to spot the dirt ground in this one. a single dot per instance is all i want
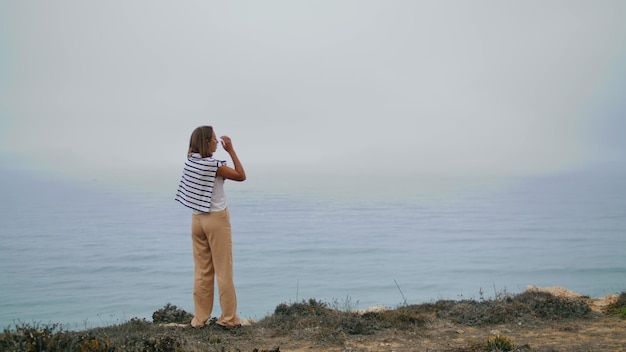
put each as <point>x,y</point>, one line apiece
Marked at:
<point>599,333</point>
<point>595,332</point>
<point>537,320</point>
<point>602,333</point>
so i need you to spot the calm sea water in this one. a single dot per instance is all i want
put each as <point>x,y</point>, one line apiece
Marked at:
<point>88,255</point>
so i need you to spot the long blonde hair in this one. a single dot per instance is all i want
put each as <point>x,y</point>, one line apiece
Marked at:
<point>198,143</point>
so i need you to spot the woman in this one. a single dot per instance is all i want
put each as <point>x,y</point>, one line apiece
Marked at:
<point>202,190</point>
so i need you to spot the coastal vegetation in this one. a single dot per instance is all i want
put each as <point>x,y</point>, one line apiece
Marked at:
<point>530,321</point>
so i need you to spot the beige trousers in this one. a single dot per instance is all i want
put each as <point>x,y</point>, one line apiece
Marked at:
<point>213,258</point>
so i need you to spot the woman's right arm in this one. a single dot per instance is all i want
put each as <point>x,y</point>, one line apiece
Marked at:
<point>237,173</point>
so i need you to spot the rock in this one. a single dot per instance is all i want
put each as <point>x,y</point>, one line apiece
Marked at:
<point>373,309</point>
<point>557,291</point>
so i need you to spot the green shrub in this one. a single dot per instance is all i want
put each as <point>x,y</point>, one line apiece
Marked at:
<point>39,338</point>
<point>618,307</point>
<point>303,309</point>
<point>171,314</point>
<point>402,318</point>
<point>547,306</point>
<point>499,343</point>
<point>529,306</point>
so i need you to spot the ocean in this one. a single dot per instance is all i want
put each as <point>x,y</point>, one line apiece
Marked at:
<point>88,254</point>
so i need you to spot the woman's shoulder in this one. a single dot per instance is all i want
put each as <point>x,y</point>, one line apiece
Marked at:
<point>208,161</point>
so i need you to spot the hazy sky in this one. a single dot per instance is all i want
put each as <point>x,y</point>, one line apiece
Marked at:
<point>406,87</point>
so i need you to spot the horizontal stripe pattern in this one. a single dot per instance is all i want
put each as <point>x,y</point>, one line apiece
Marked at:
<point>196,185</point>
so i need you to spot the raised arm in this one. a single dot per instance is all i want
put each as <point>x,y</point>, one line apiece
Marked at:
<point>237,173</point>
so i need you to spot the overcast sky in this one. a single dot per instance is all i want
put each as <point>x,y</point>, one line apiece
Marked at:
<point>433,87</point>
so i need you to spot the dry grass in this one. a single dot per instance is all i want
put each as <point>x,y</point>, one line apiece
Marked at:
<point>458,326</point>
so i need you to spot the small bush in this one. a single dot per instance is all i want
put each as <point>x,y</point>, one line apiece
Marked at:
<point>499,343</point>
<point>36,337</point>
<point>171,314</point>
<point>547,306</point>
<point>89,343</point>
<point>527,306</point>
<point>618,307</point>
<point>316,320</point>
<point>402,318</point>
<point>354,324</point>
<point>303,309</point>
<point>161,344</point>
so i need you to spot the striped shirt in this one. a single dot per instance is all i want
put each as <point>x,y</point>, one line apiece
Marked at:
<point>196,186</point>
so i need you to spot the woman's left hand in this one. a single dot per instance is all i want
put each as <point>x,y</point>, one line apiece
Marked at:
<point>227,143</point>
